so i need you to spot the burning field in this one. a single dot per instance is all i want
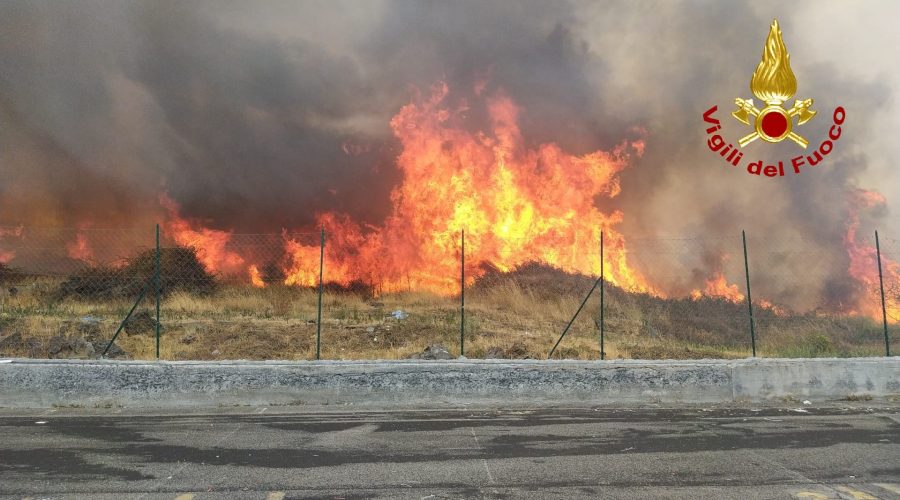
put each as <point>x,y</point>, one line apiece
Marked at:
<point>529,221</point>
<point>389,155</point>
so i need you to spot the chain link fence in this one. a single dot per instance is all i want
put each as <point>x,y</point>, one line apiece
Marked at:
<point>804,309</point>
<point>237,296</point>
<point>69,292</point>
<point>518,311</point>
<point>65,291</point>
<point>690,302</point>
<point>890,264</point>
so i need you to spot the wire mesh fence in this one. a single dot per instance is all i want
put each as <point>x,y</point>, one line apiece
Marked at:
<point>689,301</point>
<point>69,292</point>
<point>890,275</point>
<point>65,290</point>
<point>804,309</point>
<point>519,309</point>
<point>244,296</point>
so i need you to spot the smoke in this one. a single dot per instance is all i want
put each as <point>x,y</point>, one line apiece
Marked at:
<point>256,117</point>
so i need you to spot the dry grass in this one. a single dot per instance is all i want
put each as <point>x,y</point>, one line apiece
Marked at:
<point>519,315</point>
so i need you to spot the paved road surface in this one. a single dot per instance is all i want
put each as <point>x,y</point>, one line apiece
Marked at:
<point>279,453</point>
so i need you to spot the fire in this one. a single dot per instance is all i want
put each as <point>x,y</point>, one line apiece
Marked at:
<point>863,264</point>
<point>776,309</point>
<point>255,276</point>
<point>718,286</point>
<point>209,243</point>
<point>79,249</point>
<point>15,232</point>
<point>514,203</point>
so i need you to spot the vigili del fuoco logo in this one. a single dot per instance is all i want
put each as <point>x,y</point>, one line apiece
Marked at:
<point>773,83</point>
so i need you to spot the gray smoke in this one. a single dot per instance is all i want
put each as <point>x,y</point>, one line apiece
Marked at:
<point>255,117</point>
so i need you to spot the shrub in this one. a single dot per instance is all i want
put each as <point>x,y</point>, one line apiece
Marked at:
<point>180,270</point>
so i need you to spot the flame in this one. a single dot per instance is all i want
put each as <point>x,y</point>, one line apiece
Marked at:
<point>515,205</point>
<point>718,286</point>
<point>7,255</point>
<point>773,81</point>
<point>776,309</point>
<point>79,249</point>
<point>863,263</point>
<point>255,276</point>
<point>209,243</point>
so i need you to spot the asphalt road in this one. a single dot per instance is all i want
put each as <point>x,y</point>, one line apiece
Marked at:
<point>278,453</point>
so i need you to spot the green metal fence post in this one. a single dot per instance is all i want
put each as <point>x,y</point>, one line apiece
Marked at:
<point>127,317</point>
<point>571,321</point>
<point>602,283</point>
<point>749,301</point>
<point>157,283</point>
<point>321,287</point>
<point>462,293</point>
<point>887,341</point>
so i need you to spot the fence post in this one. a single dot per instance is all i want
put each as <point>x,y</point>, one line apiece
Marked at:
<point>887,341</point>
<point>157,283</point>
<point>321,286</point>
<point>602,283</point>
<point>462,293</point>
<point>749,300</point>
<point>571,321</point>
<point>127,317</point>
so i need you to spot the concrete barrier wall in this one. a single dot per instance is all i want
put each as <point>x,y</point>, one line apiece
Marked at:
<point>44,383</point>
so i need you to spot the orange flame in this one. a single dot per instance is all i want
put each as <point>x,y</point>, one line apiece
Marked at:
<point>209,243</point>
<point>718,286</point>
<point>863,264</point>
<point>776,309</point>
<point>7,255</point>
<point>79,249</point>
<point>515,205</point>
<point>255,276</point>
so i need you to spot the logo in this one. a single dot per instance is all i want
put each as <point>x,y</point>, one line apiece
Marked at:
<point>773,83</point>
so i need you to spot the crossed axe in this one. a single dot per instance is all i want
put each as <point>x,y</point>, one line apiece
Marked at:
<point>746,108</point>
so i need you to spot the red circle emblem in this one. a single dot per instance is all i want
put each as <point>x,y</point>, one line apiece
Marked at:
<point>774,124</point>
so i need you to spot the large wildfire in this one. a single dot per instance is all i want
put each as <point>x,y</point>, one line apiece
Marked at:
<point>515,205</point>
<point>511,203</point>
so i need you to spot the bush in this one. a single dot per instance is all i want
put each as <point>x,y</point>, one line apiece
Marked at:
<point>822,345</point>
<point>180,270</point>
<point>8,274</point>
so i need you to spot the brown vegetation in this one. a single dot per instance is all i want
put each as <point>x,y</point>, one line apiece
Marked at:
<point>512,315</point>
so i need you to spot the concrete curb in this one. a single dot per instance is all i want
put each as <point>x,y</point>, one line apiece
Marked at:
<point>27,383</point>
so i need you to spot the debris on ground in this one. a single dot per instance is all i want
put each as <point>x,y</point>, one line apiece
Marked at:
<point>11,341</point>
<point>60,347</point>
<point>141,323</point>
<point>432,352</point>
<point>494,353</point>
<point>114,350</point>
<point>516,351</point>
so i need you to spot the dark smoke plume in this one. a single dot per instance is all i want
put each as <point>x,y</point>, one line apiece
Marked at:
<point>254,117</point>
